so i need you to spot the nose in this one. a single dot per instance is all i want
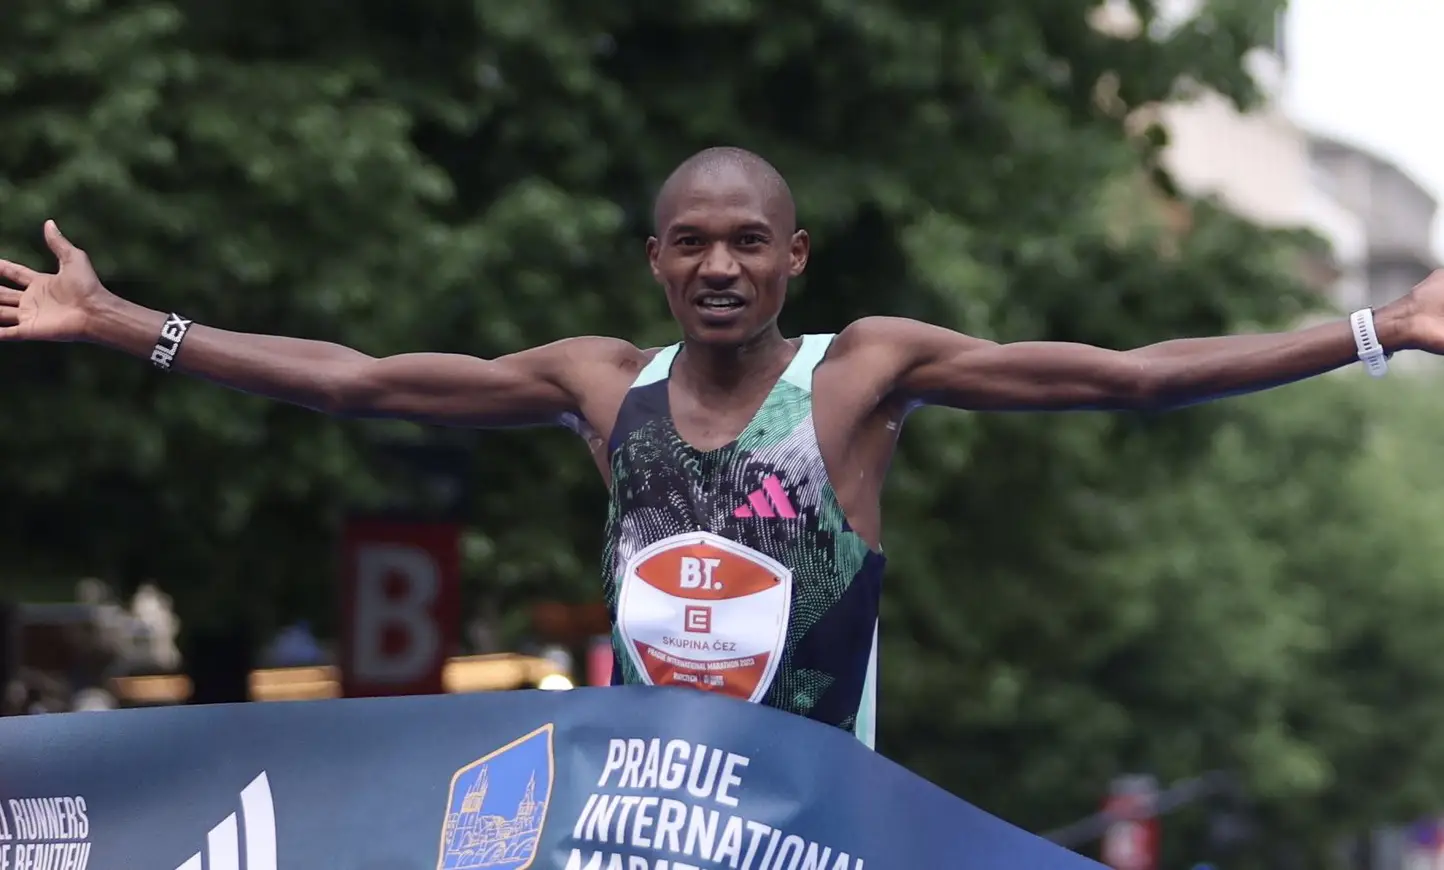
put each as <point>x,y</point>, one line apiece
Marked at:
<point>719,270</point>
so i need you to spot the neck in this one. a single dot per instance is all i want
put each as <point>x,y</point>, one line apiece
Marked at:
<point>723,367</point>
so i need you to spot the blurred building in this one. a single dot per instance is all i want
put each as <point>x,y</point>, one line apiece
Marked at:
<point>1397,215</point>
<point>1260,164</point>
<point>1265,166</point>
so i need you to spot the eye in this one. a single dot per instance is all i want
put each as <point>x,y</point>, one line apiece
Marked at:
<point>750,240</point>
<point>687,241</point>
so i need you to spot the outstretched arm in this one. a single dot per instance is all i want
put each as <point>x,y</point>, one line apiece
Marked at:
<point>533,387</point>
<point>932,365</point>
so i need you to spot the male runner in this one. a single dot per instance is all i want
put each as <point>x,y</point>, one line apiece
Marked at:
<point>744,549</point>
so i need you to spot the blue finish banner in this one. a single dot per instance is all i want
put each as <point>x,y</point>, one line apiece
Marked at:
<point>619,778</point>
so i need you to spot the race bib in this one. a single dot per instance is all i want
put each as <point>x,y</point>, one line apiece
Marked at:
<point>699,610</point>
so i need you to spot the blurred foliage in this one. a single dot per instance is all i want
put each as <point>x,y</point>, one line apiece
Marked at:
<point>1249,585</point>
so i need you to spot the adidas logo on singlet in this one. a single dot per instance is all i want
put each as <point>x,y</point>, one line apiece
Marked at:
<point>770,502</point>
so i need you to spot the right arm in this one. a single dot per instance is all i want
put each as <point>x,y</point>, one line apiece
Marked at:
<point>532,387</point>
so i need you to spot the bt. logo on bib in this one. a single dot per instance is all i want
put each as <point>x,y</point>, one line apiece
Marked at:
<point>699,610</point>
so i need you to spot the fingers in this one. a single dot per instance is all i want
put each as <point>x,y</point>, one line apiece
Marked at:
<point>18,274</point>
<point>64,251</point>
<point>9,315</point>
<point>10,297</point>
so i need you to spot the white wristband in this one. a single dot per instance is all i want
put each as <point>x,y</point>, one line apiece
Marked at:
<point>172,333</point>
<point>1371,352</point>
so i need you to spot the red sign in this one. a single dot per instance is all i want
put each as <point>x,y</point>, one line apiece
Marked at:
<point>1131,842</point>
<point>401,589</point>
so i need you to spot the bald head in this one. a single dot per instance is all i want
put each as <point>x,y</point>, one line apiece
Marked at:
<point>715,164</point>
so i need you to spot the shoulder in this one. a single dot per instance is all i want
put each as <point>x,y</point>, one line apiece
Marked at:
<point>587,352</point>
<point>580,365</point>
<point>864,361</point>
<point>900,341</point>
<point>875,333</point>
<point>895,358</point>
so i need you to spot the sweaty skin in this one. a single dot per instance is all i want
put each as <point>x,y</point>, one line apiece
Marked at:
<point>725,231</point>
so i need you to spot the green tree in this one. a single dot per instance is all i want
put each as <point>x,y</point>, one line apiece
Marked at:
<point>244,190</point>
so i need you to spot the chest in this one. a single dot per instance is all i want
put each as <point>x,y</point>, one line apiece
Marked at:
<point>708,423</point>
<point>814,442</point>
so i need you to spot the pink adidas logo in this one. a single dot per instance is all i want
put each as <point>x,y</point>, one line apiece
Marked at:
<point>769,501</point>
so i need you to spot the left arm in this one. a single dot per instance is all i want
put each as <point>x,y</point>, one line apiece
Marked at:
<point>935,366</point>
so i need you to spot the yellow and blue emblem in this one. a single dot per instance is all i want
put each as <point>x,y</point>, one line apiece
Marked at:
<point>498,805</point>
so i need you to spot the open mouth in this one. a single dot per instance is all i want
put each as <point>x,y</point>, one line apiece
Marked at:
<point>720,303</point>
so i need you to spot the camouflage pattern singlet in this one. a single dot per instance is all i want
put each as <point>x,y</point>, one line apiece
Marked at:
<point>734,570</point>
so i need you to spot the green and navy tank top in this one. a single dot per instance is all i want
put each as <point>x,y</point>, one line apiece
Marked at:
<point>734,570</point>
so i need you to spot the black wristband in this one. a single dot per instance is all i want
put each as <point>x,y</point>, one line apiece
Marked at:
<point>168,345</point>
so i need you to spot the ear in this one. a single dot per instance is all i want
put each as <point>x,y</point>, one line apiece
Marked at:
<point>654,249</point>
<point>801,249</point>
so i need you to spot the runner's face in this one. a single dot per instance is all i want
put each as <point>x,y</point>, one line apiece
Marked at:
<point>724,260</point>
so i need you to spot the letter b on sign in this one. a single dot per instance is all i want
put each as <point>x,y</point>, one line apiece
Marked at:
<point>396,589</point>
<point>401,585</point>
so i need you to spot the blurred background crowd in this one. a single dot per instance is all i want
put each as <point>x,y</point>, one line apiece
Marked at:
<point>1234,608</point>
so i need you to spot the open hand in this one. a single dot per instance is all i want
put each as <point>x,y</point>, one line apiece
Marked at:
<point>1424,308</point>
<point>50,307</point>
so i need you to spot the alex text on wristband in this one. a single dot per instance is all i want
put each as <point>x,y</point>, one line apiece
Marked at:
<point>168,345</point>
